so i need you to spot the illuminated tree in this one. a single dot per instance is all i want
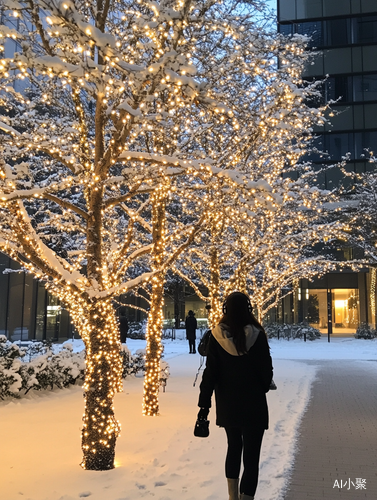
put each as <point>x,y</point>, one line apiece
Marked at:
<point>359,208</point>
<point>118,99</point>
<point>267,251</point>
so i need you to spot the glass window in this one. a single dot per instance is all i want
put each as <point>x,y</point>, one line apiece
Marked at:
<point>287,9</point>
<point>312,29</point>
<point>16,297</point>
<point>64,324</point>
<point>337,32</point>
<point>336,7</point>
<point>334,177</point>
<point>4,279</point>
<point>370,111</point>
<point>365,141</point>
<point>53,317</point>
<point>315,67</point>
<point>28,319</point>
<point>355,7</point>
<point>309,8</point>
<point>358,116</point>
<point>345,310</point>
<point>370,87</point>
<point>338,61</point>
<point>357,59</point>
<point>338,145</point>
<point>342,119</point>
<point>359,145</point>
<point>358,93</point>
<point>339,87</point>
<point>41,312</point>
<point>286,29</point>
<point>317,309</point>
<point>364,29</point>
<point>370,141</point>
<point>368,5</point>
<point>369,58</point>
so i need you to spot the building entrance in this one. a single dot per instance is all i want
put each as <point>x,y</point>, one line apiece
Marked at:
<point>344,306</point>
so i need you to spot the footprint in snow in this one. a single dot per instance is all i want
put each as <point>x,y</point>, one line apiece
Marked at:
<point>205,483</point>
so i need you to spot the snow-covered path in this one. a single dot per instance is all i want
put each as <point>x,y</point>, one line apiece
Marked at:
<point>159,457</point>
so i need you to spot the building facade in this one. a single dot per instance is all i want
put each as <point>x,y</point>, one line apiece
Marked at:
<point>344,35</point>
<point>27,310</point>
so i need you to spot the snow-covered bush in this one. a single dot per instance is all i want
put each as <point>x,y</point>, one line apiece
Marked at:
<point>10,365</point>
<point>39,367</point>
<point>168,329</point>
<point>364,331</point>
<point>136,330</point>
<point>132,364</point>
<point>202,326</point>
<point>274,330</point>
<point>294,331</point>
<point>304,329</point>
<point>56,370</point>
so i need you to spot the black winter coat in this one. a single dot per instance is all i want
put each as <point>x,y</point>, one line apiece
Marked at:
<point>191,326</point>
<point>240,384</point>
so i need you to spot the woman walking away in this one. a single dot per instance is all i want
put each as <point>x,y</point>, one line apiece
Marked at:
<point>191,326</point>
<point>239,370</point>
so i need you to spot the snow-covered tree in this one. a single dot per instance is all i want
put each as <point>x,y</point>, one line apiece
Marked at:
<point>359,208</point>
<point>119,98</point>
<point>263,252</point>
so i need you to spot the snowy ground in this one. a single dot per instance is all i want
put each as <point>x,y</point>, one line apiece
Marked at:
<point>159,457</point>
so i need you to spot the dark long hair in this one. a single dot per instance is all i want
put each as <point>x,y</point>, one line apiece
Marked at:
<point>237,314</point>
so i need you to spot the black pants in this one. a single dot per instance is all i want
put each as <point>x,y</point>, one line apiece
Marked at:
<point>192,345</point>
<point>246,441</point>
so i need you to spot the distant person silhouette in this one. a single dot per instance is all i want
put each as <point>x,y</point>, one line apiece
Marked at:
<point>123,326</point>
<point>191,326</point>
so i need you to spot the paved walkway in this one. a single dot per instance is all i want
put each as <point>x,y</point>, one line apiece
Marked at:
<point>338,435</point>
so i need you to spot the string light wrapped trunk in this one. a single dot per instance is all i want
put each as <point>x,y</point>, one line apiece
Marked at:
<point>102,380</point>
<point>215,298</point>
<point>155,316</point>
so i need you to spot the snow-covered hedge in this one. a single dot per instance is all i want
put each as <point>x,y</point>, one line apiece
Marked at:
<point>132,364</point>
<point>11,379</point>
<point>295,331</point>
<point>364,331</point>
<point>136,329</point>
<point>38,367</point>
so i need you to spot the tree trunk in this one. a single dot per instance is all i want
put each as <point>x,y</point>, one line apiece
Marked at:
<point>215,312</point>
<point>241,275</point>
<point>103,378</point>
<point>155,316</point>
